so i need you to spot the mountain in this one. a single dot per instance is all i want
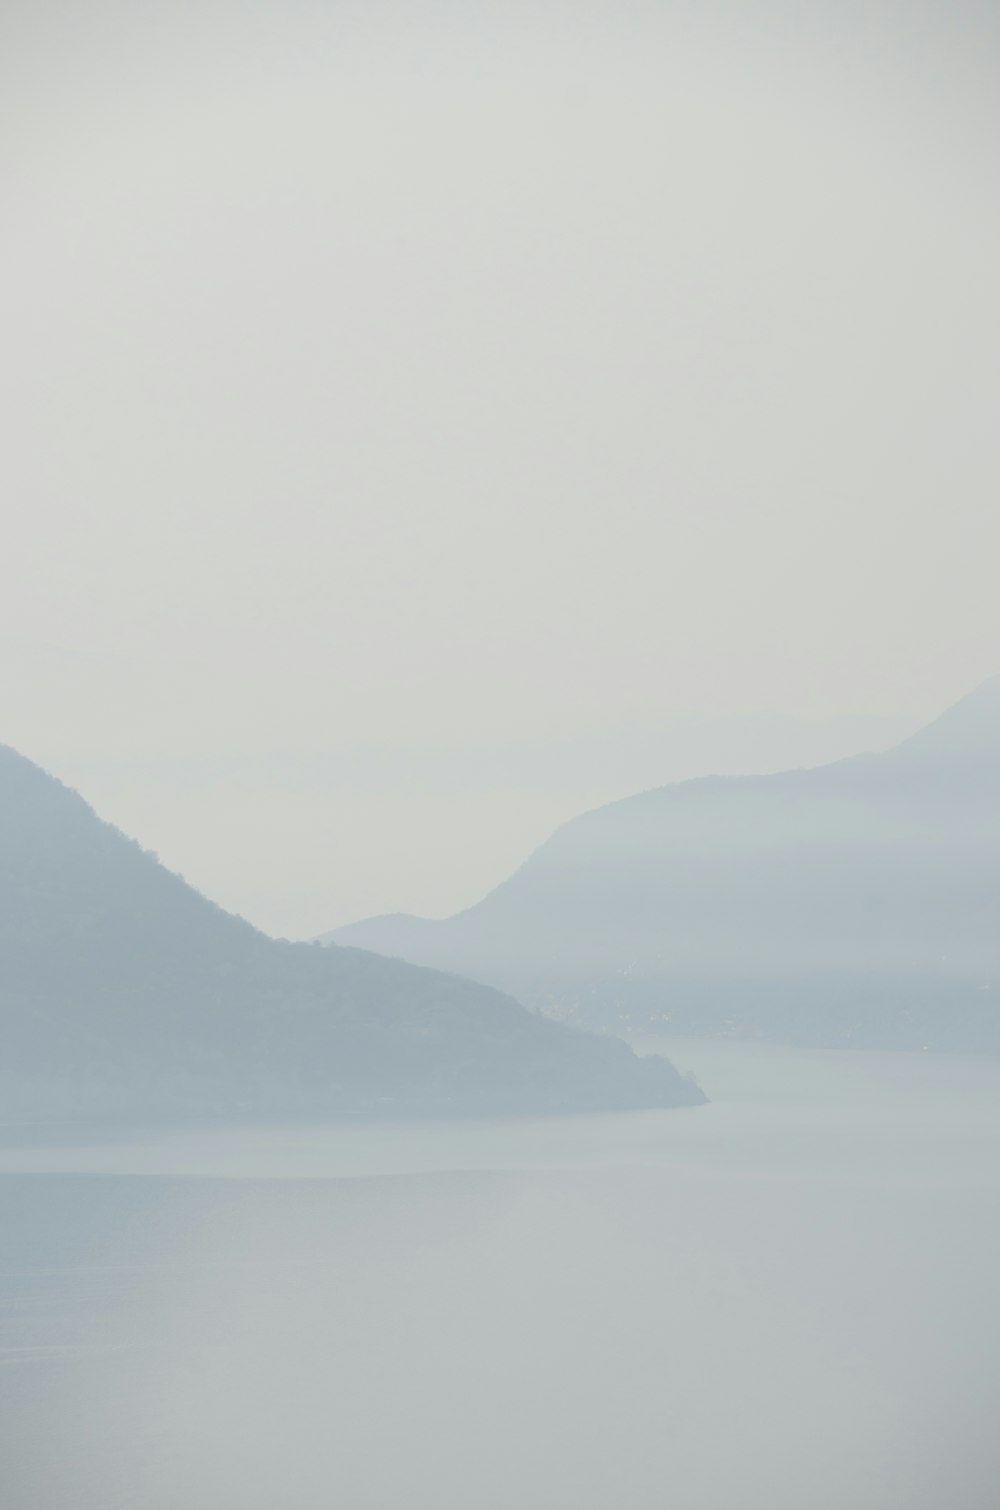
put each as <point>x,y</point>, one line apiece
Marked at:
<point>125,992</point>
<point>856,903</point>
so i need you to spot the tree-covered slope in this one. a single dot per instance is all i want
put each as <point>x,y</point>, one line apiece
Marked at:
<point>854,903</point>
<point>122,990</point>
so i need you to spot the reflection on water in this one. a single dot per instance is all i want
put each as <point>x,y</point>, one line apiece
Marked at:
<point>769,1108</point>
<point>786,1298</point>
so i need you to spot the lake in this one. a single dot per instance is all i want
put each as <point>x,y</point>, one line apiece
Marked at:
<point>785,1299</point>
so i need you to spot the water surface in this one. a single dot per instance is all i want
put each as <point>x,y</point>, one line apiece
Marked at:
<point>786,1298</point>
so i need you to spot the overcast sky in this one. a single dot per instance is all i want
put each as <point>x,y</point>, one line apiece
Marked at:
<point>423,421</point>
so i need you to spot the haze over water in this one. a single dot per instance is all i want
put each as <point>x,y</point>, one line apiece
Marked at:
<point>426,424</point>
<point>785,1298</point>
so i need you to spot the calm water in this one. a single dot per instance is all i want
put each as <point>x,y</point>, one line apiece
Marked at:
<point>788,1298</point>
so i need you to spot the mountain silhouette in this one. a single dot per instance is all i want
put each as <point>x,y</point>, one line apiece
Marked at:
<point>125,992</point>
<point>856,903</point>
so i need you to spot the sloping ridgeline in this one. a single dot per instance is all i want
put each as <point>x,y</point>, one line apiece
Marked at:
<point>124,992</point>
<point>855,904</point>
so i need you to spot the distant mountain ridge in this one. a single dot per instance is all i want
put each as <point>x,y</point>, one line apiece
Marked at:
<point>855,903</point>
<point>125,992</point>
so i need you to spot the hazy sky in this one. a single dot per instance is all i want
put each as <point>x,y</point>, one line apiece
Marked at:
<point>394,391</point>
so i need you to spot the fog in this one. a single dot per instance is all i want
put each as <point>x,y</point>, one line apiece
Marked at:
<point>464,380</point>
<point>426,424</point>
<point>785,1298</point>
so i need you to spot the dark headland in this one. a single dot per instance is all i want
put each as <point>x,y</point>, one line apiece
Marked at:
<point>126,994</point>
